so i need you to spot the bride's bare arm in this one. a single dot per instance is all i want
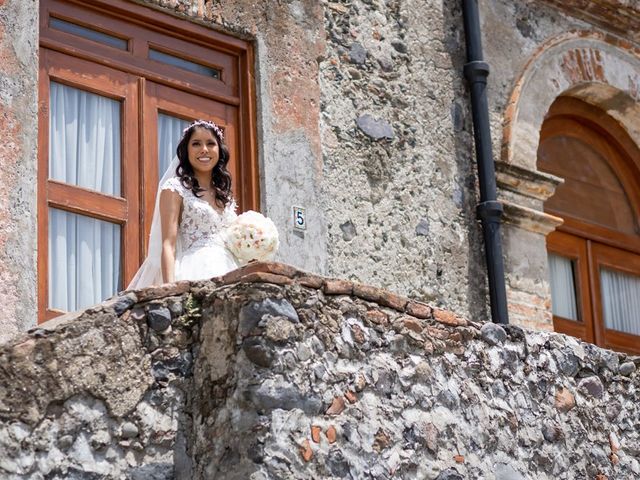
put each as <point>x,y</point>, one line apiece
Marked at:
<point>170,205</point>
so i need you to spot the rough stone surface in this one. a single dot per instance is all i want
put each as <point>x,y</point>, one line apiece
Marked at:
<point>493,334</point>
<point>387,127</point>
<point>591,386</point>
<point>375,128</point>
<point>357,53</point>
<point>422,229</point>
<point>627,368</point>
<point>344,395</point>
<point>348,231</point>
<point>159,318</point>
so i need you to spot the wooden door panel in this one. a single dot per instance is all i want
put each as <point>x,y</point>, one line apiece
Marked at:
<point>160,99</point>
<point>116,20</point>
<point>592,190</point>
<point>101,80</point>
<point>576,249</point>
<point>604,256</point>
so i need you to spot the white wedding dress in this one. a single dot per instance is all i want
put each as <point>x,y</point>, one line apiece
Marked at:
<point>200,249</point>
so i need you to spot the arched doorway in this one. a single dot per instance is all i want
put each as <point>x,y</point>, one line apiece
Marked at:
<point>594,257</point>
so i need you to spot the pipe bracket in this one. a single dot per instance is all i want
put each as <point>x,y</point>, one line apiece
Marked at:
<point>476,71</point>
<point>489,211</point>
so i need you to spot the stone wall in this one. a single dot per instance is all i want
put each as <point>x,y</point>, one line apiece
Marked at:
<point>18,158</point>
<point>273,373</point>
<point>396,127</point>
<point>363,119</point>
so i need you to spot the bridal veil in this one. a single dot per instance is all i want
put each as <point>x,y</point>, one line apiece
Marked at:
<point>150,272</point>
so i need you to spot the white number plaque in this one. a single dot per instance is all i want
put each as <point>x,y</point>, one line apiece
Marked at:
<point>299,218</point>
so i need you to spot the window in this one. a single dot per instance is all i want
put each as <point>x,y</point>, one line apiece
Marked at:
<point>117,86</point>
<point>594,257</point>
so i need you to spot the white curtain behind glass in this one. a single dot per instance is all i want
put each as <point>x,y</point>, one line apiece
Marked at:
<point>620,301</point>
<point>84,260</point>
<point>169,134</point>
<point>84,253</point>
<point>563,288</point>
<point>84,139</point>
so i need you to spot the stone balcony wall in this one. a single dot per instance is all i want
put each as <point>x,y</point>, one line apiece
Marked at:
<point>272,373</point>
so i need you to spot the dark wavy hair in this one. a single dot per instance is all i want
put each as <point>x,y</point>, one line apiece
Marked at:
<point>220,176</point>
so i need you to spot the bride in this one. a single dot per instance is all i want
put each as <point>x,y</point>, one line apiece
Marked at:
<point>193,208</point>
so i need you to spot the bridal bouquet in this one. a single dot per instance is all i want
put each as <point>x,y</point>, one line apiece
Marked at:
<point>252,236</point>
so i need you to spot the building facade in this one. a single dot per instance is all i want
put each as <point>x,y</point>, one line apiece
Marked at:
<point>358,113</point>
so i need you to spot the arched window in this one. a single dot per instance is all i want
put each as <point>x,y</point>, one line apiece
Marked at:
<point>594,257</point>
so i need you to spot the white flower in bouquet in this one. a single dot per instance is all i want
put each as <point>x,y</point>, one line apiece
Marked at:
<point>252,236</point>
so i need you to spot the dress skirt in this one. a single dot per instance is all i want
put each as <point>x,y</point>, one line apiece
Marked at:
<point>204,262</point>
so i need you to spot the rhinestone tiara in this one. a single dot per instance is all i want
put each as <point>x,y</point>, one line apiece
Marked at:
<point>206,124</point>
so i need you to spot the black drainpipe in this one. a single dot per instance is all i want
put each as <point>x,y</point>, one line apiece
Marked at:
<point>489,210</point>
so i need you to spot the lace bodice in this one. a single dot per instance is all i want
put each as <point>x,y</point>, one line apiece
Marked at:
<point>200,225</point>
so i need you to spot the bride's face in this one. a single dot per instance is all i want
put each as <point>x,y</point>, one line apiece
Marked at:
<point>203,150</point>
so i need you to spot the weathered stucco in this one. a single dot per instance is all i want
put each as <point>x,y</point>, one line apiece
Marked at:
<point>274,373</point>
<point>18,158</point>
